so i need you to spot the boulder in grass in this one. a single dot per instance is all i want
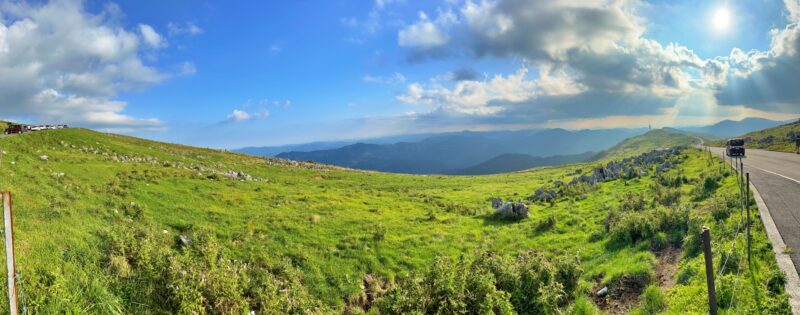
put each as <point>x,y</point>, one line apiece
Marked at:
<point>512,210</point>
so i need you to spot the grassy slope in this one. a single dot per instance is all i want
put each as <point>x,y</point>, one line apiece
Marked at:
<point>781,142</point>
<point>655,139</point>
<point>324,220</point>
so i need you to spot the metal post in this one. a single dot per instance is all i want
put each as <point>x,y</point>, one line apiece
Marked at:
<point>712,292</point>
<point>10,261</point>
<point>747,205</point>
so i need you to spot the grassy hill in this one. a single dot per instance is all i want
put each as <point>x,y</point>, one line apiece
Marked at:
<point>773,139</point>
<point>516,162</point>
<point>654,139</point>
<point>107,224</point>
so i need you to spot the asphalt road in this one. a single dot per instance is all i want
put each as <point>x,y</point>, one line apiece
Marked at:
<point>776,175</point>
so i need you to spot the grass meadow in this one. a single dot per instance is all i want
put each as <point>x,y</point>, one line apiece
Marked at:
<point>108,224</point>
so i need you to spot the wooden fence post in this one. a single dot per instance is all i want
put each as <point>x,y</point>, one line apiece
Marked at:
<point>712,292</point>
<point>747,205</point>
<point>10,261</point>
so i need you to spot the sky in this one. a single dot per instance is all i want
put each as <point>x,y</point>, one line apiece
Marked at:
<point>249,73</point>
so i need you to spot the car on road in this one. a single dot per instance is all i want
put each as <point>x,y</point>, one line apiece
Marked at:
<point>735,147</point>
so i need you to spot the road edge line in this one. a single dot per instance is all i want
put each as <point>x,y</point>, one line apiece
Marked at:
<point>784,261</point>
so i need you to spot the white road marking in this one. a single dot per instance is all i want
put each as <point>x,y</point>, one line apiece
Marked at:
<point>773,173</point>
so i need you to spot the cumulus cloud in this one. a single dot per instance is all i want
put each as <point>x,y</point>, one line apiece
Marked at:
<point>59,63</point>
<point>763,79</point>
<point>593,61</point>
<point>489,97</point>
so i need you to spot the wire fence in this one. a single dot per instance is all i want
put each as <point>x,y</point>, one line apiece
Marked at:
<point>734,304</point>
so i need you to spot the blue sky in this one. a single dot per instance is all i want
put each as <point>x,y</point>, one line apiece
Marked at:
<point>228,75</point>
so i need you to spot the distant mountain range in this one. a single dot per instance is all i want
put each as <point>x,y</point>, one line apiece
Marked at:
<point>469,152</point>
<point>507,163</point>
<point>454,152</point>
<point>731,128</point>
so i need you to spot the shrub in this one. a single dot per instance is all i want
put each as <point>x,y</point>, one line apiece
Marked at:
<point>491,283</point>
<point>156,269</point>
<point>631,227</point>
<point>776,280</point>
<point>665,196</point>
<point>546,224</point>
<point>633,202</point>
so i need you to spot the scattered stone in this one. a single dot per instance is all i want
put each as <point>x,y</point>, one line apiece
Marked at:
<point>602,292</point>
<point>187,241</point>
<point>513,210</point>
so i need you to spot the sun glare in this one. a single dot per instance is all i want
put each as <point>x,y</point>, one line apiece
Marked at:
<point>721,20</point>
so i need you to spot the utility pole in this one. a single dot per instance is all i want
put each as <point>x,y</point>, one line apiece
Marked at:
<point>10,261</point>
<point>712,292</point>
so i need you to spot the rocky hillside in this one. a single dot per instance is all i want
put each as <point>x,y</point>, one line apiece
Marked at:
<point>654,139</point>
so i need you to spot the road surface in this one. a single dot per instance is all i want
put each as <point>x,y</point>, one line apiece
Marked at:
<point>776,176</point>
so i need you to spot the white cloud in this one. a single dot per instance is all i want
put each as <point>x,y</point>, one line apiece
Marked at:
<point>187,28</point>
<point>59,63</point>
<point>426,34</point>
<point>240,115</point>
<point>475,97</point>
<point>766,80</point>
<point>151,37</point>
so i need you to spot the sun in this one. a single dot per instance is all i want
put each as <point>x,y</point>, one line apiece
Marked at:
<point>721,19</point>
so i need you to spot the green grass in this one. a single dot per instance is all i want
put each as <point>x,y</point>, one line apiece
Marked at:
<point>104,237</point>
<point>654,139</point>
<point>779,134</point>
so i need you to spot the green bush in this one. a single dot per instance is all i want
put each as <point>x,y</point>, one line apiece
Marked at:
<point>159,270</point>
<point>665,195</point>
<point>546,224</point>
<point>489,284</point>
<point>631,227</point>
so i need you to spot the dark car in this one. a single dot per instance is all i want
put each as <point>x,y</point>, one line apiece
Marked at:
<point>735,147</point>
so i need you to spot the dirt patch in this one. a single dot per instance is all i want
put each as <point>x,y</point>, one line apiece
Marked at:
<point>620,302</point>
<point>622,296</point>
<point>667,266</point>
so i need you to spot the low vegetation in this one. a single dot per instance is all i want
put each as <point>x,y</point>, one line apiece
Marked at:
<point>781,138</point>
<point>107,224</point>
